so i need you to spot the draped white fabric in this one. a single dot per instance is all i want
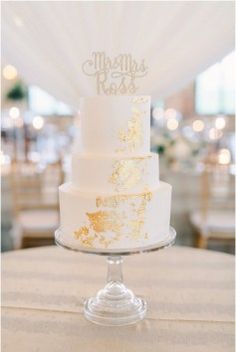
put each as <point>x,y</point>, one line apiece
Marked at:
<point>48,41</point>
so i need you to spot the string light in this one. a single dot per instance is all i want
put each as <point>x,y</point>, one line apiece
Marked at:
<point>224,157</point>
<point>38,122</point>
<point>198,125</point>
<point>14,112</point>
<point>9,72</point>
<point>172,124</point>
<point>220,123</point>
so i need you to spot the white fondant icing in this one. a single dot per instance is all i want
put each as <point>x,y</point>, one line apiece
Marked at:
<point>103,118</point>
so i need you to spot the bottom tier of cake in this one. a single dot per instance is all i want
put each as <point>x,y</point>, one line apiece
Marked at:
<point>114,221</point>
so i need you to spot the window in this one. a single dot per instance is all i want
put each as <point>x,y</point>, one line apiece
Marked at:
<point>215,88</point>
<point>42,103</point>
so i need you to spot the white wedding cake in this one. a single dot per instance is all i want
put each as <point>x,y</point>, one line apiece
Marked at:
<point>115,199</point>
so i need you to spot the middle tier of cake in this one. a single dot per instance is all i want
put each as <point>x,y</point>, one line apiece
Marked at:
<point>115,173</point>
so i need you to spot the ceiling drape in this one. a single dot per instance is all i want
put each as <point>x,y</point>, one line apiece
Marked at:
<point>48,41</point>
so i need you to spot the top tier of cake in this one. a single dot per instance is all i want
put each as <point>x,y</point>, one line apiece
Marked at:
<point>115,125</point>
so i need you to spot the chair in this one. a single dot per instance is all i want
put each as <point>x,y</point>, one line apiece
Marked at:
<point>35,199</point>
<point>215,219</point>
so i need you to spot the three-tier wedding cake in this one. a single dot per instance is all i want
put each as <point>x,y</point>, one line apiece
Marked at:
<point>115,199</point>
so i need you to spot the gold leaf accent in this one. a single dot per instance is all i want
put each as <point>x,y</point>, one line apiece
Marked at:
<point>132,137</point>
<point>127,173</point>
<point>102,221</point>
<point>83,235</point>
<point>114,201</point>
<point>83,231</point>
<point>108,226</point>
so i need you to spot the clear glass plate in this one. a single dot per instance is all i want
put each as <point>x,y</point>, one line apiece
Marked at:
<point>166,242</point>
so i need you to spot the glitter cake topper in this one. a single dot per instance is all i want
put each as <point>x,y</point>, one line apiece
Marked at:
<point>114,76</point>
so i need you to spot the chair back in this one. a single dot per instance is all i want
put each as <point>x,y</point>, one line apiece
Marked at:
<point>217,189</point>
<point>34,187</point>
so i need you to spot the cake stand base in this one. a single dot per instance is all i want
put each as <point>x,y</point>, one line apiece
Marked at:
<point>115,304</point>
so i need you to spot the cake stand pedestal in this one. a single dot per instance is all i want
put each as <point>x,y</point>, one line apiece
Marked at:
<point>115,304</point>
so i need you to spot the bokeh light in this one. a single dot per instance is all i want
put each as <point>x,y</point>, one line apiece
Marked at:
<point>198,125</point>
<point>220,123</point>
<point>14,112</point>
<point>38,122</point>
<point>224,157</point>
<point>9,72</point>
<point>172,124</point>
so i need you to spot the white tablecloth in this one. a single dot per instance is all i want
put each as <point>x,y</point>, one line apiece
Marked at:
<point>190,296</point>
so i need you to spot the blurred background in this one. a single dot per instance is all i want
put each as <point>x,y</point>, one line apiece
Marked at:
<point>192,130</point>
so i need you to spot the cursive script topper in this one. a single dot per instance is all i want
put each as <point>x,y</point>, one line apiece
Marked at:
<point>116,75</point>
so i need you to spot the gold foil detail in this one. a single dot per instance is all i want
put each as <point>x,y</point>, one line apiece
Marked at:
<point>83,236</point>
<point>132,136</point>
<point>102,221</point>
<point>83,231</point>
<point>118,216</point>
<point>115,200</point>
<point>127,173</point>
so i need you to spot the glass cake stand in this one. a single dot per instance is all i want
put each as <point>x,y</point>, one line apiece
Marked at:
<point>115,304</point>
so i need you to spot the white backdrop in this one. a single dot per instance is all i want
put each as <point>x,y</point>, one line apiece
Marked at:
<point>49,41</point>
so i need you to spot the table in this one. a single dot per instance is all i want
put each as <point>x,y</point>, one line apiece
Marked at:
<point>190,294</point>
